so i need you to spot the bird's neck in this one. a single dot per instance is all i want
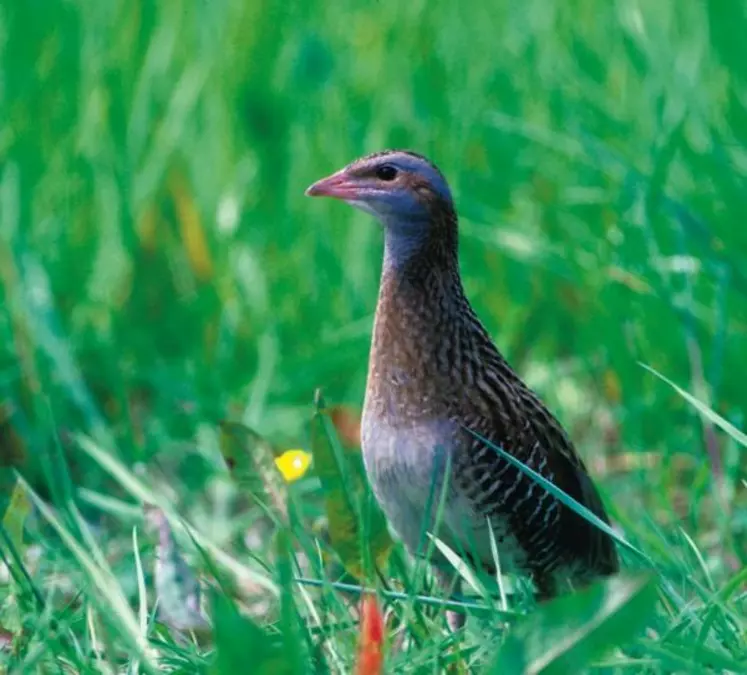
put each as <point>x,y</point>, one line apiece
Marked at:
<point>419,273</point>
<point>414,250</point>
<point>421,302</point>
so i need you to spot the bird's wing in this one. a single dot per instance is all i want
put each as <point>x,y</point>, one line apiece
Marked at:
<point>502,409</point>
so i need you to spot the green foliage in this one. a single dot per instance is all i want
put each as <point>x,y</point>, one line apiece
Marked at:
<point>249,458</point>
<point>14,518</point>
<point>242,646</point>
<point>706,412</point>
<point>160,270</point>
<point>571,633</point>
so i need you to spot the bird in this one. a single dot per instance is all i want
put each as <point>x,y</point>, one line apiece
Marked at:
<point>437,388</point>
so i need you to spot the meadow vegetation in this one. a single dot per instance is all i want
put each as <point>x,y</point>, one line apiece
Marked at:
<point>171,303</point>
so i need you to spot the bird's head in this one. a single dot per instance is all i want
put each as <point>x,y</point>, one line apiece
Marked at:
<point>400,188</point>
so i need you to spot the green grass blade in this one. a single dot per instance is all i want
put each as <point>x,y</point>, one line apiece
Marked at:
<point>111,598</point>
<point>564,498</point>
<point>146,495</point>
<point>242,645</point>
<point>570,633</point>
<point>706,412</point>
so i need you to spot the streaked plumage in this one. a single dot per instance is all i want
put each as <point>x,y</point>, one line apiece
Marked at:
<point>434,370</point>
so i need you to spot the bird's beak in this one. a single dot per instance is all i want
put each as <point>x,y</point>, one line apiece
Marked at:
<point>339,186</point>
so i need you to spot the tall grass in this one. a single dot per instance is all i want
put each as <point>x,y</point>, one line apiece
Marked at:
<point>161,271</point>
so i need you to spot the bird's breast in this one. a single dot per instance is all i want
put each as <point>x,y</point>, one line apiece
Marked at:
<point>408,466</point>
<point>394,447</point>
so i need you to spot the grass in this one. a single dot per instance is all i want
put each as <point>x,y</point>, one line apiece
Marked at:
<point>161,271</point>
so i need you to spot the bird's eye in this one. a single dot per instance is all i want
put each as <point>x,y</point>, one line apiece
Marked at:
<point>386,172</point>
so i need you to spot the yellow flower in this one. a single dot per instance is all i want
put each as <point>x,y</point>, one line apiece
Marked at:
<point>293,464</point>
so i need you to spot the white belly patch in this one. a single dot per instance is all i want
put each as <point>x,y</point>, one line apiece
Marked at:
<point>406,468</point>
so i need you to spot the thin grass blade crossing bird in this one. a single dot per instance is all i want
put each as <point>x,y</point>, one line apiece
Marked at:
<point>433,370</point>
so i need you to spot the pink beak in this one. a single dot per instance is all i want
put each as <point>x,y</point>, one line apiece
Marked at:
<point>338,186</point>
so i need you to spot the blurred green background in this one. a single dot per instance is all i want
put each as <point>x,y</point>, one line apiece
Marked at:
<point>161,268</point>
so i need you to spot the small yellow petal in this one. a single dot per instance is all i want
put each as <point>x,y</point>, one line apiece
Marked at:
<point>293,464</point>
